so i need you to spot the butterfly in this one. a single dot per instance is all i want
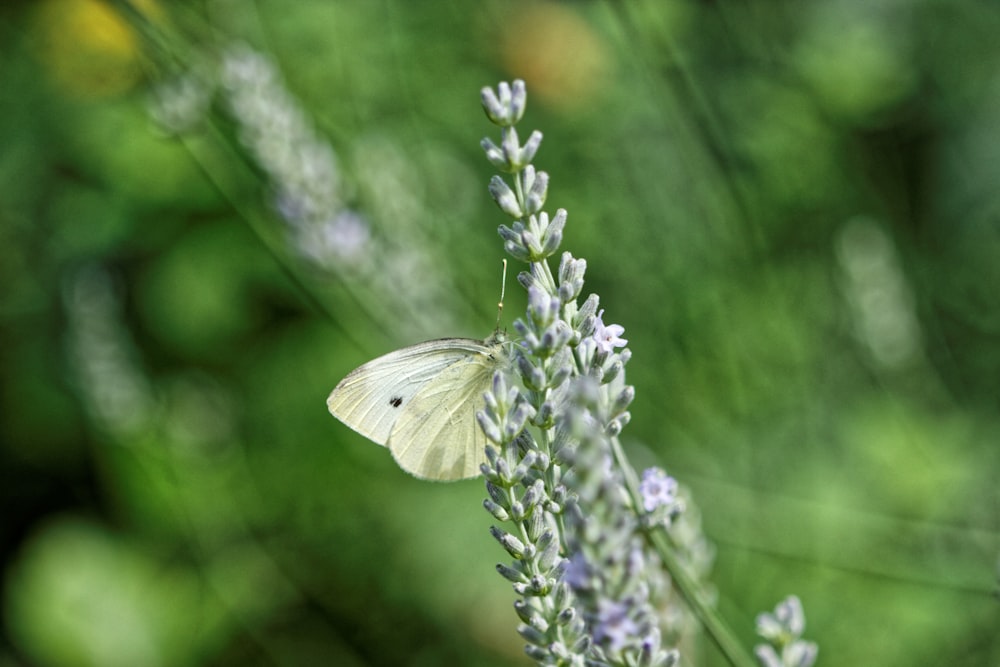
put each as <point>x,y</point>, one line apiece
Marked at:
<point>421,403</point>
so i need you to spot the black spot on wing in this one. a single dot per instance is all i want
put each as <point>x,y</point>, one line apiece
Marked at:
<point>396,401</point>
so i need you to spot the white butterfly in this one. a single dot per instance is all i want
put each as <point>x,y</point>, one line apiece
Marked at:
<point>421,403</point>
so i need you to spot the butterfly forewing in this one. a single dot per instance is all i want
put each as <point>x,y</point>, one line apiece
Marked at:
<point>372,397</point>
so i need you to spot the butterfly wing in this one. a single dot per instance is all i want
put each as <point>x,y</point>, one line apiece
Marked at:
<point>438,436</point>
<point>372,397</point>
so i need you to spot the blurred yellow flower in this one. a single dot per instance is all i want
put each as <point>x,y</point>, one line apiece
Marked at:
<point>558,53</point>
<point>87,47</point>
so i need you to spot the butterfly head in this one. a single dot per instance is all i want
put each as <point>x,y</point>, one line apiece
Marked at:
<point>498,337</point>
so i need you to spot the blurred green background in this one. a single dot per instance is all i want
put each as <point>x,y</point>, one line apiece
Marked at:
<point>791,207</point>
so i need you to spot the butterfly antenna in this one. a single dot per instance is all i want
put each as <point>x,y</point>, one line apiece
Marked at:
<point>503,290</point>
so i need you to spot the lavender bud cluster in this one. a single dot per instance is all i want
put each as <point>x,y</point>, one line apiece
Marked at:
<point>579,562</point>
<point>115,388</point>
<point>373,253</point>
<point>302,168</point>
<point>783,630</point>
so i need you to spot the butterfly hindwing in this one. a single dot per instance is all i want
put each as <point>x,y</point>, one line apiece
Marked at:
<point>437,436</point>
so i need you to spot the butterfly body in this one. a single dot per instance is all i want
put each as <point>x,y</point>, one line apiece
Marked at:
<point>421,401</point>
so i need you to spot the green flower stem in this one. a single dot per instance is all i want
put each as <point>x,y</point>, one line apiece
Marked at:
<point>658,537</point>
